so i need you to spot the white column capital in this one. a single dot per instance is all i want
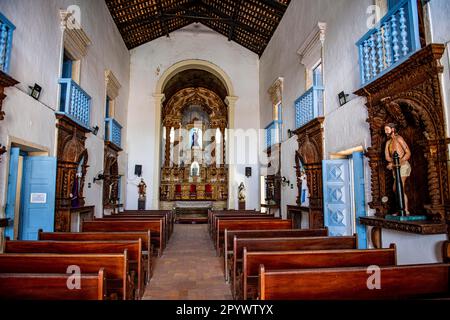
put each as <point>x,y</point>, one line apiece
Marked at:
<point>231,100</point>
<point>159,97</point>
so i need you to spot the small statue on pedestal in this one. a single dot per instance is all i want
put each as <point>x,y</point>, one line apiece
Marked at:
<point>142,187</point>
<point>242,196</point>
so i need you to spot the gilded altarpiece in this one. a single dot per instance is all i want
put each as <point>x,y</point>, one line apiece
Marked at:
<point>195,122</point>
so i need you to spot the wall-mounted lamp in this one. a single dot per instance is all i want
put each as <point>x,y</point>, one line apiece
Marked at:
<point>95,130</point>
<point>35,91</point>
<point>99,177</point>
<point>285,181</point>
<point>343,98</point>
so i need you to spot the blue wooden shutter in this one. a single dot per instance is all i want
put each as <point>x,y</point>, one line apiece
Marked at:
<point>38,196</point>
<point>337,197</point>
<point>360,197</point>
<point>12,189</point>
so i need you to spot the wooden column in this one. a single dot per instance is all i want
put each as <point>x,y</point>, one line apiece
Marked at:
<point>167,147</point>
<point>222,133</point>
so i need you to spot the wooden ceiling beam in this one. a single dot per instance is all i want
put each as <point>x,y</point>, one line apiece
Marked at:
<point>234,19</point>
<point>162,19</point>
<point>226,17</point>
<point>279,7</point>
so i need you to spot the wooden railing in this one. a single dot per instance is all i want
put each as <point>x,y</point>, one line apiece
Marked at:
<point>394,39</point>
<point>6,37</point>
<point>75,102</point>
<point>113,131</point>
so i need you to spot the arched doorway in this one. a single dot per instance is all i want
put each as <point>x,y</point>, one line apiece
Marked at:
<point>197,110</point>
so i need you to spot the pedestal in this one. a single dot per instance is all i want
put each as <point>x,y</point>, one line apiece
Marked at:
<point>141,204</point>
<point>242,205</point>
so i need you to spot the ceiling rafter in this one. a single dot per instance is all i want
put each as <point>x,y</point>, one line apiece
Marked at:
<point>250,23</point>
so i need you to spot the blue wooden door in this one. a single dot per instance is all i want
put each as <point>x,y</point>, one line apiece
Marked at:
<point>12,191</point>
<point>337,197</point>
<point>360,197</point>
<point>38,196</point>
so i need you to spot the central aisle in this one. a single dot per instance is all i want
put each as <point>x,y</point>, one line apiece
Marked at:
<point>189,268</point>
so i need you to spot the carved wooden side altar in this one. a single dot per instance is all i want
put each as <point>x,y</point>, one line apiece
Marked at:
<point>111,175</point>
<point>72,158</point>
<point>410,96</point>
<point>309,157</point>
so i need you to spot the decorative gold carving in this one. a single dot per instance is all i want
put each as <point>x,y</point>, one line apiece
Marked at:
<point>410,95</point>
<point>310,156</point>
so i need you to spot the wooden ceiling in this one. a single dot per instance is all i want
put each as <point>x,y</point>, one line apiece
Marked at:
<point>251,23</point>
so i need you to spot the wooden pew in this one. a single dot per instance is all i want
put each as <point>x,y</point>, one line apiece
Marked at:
<point>236,216</point>
<point>156,228</point>
<point>281,260</point>
<point>142,218</point>
<point>134,249</point>
<point>247,224</point>
<point>31,286</point>
<point>285,244</point>
<point>147,248</point>
<point>397,282</point>
<point>212,213</point>
<point>167,214</point>
<point>115,266</point>
<point>288,233</point>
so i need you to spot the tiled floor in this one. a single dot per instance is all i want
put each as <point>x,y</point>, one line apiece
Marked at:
<point>189,268</point>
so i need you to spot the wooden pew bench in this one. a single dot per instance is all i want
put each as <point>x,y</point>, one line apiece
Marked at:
<point>147,247</point>
<point>143,213</point>
<point>33,286</point>
<point>282,260</point>
<point>156,228</point>
<point>116,266</point>
<point>247,224</point>
<point>134,249</point>
<point>284,244</point>
<point>288,233</point>
<point>238,216</point>
<point>397,282</point>
<point>166,227</point>
<point>212,213</point>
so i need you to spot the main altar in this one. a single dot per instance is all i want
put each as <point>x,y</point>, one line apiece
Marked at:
<point>194,176</point>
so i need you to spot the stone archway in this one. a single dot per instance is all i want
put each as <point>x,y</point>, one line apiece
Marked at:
<point>159,98</point>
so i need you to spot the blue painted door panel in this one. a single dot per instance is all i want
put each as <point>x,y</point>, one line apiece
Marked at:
<point>337,197</point>
<point>38,196</point>
<point>360,198</point>
<point>12,189</point>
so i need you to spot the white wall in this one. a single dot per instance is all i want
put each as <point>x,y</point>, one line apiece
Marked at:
<point>439,11</point>
<point>36,58</point>
<point>345,127</point>
<point>149,62</point>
